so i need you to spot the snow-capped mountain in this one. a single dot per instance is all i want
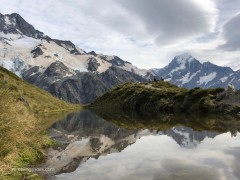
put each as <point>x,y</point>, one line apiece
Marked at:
<point>75,75</point>
<point>186,71</point>
<point>59,66</point>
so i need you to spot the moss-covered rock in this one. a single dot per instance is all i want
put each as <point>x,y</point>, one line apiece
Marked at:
<point>164,97</point>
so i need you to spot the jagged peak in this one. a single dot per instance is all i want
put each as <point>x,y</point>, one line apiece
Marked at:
<point>209,64</point>
<point>92,53</point>
<point>15,24</point>
<point>13,19</point>
<point>184,57</point>
<point>12,14</point>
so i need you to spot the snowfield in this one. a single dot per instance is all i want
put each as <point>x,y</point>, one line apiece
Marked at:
<point>208,78</point>
<point>14,46</point>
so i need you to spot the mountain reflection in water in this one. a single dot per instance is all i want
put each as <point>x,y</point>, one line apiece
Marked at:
<point>92,148</point>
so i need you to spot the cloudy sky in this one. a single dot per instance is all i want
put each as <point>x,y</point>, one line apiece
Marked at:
<point>148,33</point>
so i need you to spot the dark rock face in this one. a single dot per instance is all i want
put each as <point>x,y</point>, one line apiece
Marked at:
<point>31,74</point>
<point>68,45</point>
<point>92,53</point>
<point>116,61</point>
<point>93,65</point>
<point>78,87</point>
<point>85,88</point>
<point>115,76</point>
<point>57,71</point>
<point>15,24</point>
<point>188,72</point>
<point>37,52</point>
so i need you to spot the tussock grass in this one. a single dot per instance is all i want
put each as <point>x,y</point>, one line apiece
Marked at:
<point>140,97</point>
<point>24,116</point>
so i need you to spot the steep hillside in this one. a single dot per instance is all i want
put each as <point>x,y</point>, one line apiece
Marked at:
<point>186,71</point>
<point>23,121</point>
<point>163,97</point>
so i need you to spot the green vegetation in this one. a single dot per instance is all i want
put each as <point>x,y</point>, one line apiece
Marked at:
<point>25,113</point>
<point>163,97</point>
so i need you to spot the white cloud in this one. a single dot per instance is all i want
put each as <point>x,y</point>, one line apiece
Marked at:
<point>231,34</point>
<point>146,33</point>
<point>174,20</point>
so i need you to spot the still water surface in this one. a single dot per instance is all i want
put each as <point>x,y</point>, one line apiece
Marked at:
<point>93,148</point>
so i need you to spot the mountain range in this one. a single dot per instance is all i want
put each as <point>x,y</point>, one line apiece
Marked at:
<point>60,67</point>
<point>186,71</point>
<point>77,76</point>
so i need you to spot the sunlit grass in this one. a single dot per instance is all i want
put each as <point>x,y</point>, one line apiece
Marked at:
<point>25,113</point>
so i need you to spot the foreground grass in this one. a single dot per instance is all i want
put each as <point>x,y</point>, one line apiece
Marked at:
<point>25,113</point>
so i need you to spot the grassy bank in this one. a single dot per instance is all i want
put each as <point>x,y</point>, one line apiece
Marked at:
<point>163,97</point>
<point>24,116</point>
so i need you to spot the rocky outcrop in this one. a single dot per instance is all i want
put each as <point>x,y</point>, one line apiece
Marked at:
<point>83,88</point>
<point>116,76</point>
<point>68,45</point>
<point>93,65</point>
<point>37,52</point>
